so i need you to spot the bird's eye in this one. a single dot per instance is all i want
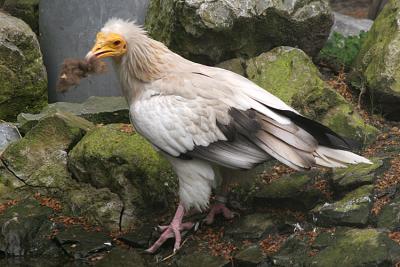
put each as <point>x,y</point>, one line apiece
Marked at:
<point>117,43</point>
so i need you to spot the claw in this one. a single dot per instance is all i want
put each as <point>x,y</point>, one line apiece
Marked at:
<point>172,230</point>
<point>217,209</point>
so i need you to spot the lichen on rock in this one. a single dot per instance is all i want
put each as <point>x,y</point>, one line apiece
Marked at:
<point>23,86</point>
<point>123,161</point>
<point>377,66</point>
<point>213,31</point>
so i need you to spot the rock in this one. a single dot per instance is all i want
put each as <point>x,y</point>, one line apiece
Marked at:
<point>122,257</point>
<point>294,252</point>
<point>98,206</point>
<point>27,10</point>
<point>201,259</point>
<point>250,256</point>
<point>121,160</point>
<point>252,226</point>
<point>290,74</point>
<point>80,244</point>
<point>210,32</point>
<point>353,209</point>
<point>357,247</point>
<point>23,78</point>
<point>25,230</point>
<point>138,238</point>
<point>39,158</point>
<point>375,8</point>
<point>355,175</point>
<point>389,217</point>
<point>378,64</point>
<point>350,26</point>
<point>95,109</point>
<point>294,191</point>
<point>8,134</point>
<point>236,65</point>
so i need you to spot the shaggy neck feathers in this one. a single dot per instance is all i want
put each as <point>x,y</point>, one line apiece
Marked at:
<point>144,56</point>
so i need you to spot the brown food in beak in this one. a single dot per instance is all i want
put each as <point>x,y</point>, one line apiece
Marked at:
<point>73,70</point>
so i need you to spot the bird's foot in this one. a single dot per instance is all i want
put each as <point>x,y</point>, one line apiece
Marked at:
<point>172,230</point>
<point>219,208</point>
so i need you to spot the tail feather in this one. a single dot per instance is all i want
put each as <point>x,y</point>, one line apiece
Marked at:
<point>334,158</point>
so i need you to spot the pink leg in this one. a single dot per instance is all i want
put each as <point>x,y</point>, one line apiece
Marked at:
<point>172,230</point>
<point>218,208</point>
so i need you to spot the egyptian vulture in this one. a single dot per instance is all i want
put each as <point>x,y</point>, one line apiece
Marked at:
<point>209,122</point>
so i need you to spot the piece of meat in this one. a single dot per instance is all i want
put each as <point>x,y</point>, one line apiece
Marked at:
<point>73,70</point>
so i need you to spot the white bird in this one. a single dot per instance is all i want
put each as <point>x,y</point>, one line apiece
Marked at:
<point>209,122</point>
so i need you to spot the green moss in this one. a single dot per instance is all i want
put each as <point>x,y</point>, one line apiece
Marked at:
<point>45,146</point>
<point>24,81</point>
<point>286,186</point>
<point>236,65</point>
<point>27,10</point>
<point>291,75</point>
<point>355,199</point>
<point>125,163</point>
<point>358,247</point>
<point>344,120</point>
<point>378,63</point>
<point>355,175</point>
<point>340,51</point>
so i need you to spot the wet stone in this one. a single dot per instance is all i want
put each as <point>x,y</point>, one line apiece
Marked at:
<point>139,238</point>
<point>121,257</point>
<point>353,209</point>
<point>201,259</point>
<point>252,226</point>
<point>80,244</point>
<point>248,257</point>
<point>25,230</point>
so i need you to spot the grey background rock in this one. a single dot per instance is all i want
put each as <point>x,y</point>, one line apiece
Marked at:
<point>349,26</point>
<point>68,29</point>
<point>8,134</point>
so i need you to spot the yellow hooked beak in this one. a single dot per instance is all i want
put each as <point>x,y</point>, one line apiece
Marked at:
<point>108,45</point>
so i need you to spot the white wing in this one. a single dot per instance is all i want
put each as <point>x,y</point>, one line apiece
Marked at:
<point>224,118</point>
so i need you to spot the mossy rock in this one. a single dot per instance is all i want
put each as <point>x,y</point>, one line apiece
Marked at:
<point>23,77</point>
<point>352,210</point>
<point>27,10</point>
<point>355,175</point>
<point>356,247</point>
<point>38,158</point>
<point>211,32</point>
<point>291,75</point>
<point>295,191</point>
<point>95,109</point>
<point>378,64</point>
<point>123,161</point>
<point>389,217</point>
<point>40,161</point>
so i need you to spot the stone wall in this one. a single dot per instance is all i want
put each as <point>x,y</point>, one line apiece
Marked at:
<point>68,29</point>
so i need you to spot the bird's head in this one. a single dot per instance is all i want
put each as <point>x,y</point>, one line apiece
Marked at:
<point>108,45</point>
<point>114,39</point>
<point>129,44</point>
